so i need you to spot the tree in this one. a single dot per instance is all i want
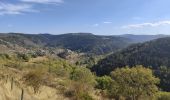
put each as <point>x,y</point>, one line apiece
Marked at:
<point>164,74</point>
<point>134,82</point>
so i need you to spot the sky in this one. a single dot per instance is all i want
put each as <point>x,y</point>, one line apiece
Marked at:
<point>101,17</point>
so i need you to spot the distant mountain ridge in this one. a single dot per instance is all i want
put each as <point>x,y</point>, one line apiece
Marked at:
<point>79,42</point>
<point>143,38</point>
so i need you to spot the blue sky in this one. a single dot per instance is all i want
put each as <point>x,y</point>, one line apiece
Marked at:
<point>103,17</point>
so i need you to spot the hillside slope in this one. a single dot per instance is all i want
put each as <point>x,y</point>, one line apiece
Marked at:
<point>155,53</point>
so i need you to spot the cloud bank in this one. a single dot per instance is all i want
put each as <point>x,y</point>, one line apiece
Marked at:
<point>43,1</point>
<point>107,22</point>
<point>155,24</point>
<point>7,8</point>
<point>23,6</point>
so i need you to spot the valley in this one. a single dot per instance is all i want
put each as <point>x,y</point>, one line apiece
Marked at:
<point>40,64</point>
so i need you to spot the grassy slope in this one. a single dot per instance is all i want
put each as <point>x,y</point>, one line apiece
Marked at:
<point>6,75</point>
<point>47,92</point>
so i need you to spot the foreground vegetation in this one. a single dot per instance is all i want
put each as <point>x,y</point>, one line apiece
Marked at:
<point>78,83</point>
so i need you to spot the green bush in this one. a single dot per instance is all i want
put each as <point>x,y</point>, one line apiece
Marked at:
<point>104,82</point>
<point>24,57</point>
<point>134,82</point>
<point>85,96</point>
<point>82,75</point>
<point>82,83</point>
<point>5,56</point>
<point>163,96</point>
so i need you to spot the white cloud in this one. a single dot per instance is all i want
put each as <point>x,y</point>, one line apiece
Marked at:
<point>156,24</point>
<point>95,25</point>
<point>7,8</point>
<point>23,7</point>
<point>43,1</point>
<point>107,22</point>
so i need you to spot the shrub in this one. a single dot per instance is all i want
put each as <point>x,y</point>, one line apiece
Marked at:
<point>78,91</point>
<point>34,79</point>
<point>24,57</point>
<point>82,75</point>
<point>5,56</point>
<point>104,82</point>
<point>163,96</point>
<point>134,82</point>
<point>82,82</point>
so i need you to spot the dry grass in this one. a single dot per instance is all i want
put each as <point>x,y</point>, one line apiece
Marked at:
<point>45,93</point>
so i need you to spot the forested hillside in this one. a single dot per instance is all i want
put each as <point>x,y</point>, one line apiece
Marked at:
<point>79,42</point>
<point>153,54</point>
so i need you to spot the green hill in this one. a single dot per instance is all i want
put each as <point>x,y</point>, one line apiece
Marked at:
<point>154,54</point>
<point>79,42</point>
